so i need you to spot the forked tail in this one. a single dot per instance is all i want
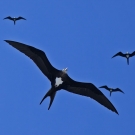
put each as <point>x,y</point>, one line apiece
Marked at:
<point>51,93</point>
<point>128,61</point>
<point>110,93</point>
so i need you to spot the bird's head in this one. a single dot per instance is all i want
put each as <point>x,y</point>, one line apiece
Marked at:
<point>126,52</point>
<point>65,70</point>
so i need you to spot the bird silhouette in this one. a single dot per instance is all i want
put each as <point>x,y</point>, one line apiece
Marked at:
<point>59,78</point>
<point>126,55</point>
<point>111,89</point>
<point>14,19</point>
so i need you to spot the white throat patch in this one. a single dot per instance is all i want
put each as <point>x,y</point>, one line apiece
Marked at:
<point>127,55</point>
<point>58,81</point>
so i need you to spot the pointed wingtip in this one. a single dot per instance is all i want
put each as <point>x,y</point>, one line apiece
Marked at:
<point>11,42</point>
<point>101,86</point>
<point>116,112</point>
<point>8,41</point>
<point>5,40</point>
<point>122,92</point>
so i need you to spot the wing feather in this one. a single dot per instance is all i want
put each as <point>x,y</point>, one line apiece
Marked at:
<point>117,89</point>
<point>105,87</point>
<point>10,18</point>
<point>38,57</point>
<point>119,54</point>
<point>18,18</point>
<point>132,54</point>
<point>89,90</point>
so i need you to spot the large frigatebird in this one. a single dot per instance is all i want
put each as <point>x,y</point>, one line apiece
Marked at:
<point>126,55</point>
<point>14,18</point>
<point>111,89</point>
<point>59,78</point>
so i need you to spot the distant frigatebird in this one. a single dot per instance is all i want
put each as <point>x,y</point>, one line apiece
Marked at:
<point>59,78</point>
<point>111,89</point>
<point>126,55</point>
<point>14,18</point>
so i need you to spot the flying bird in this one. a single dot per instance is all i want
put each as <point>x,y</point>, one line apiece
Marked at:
<point>14,18</point>
<point>111,89</point>
<point>126,55</point>
<point>59,78</point>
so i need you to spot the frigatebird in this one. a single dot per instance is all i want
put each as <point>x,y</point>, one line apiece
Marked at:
<point>111,89</point>
<point>14,18</point>
<point>127,55</point>
<point>59,78</point>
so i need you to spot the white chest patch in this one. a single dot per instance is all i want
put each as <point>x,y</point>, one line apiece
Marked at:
<point>58,81</point>
<point>127,56</point>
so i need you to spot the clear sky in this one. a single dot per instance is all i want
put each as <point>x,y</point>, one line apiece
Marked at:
<point>82,35</point>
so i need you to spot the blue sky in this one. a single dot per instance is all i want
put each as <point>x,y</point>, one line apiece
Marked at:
<point>83,36</point>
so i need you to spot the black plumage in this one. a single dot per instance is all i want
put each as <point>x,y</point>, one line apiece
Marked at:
<point>59,78</point>
<point>126,55</point>
<point>111,89</point>
<point>14,19</point>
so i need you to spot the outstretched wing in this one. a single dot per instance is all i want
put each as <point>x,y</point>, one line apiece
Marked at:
<point>18,18</point>
<point>119,54</point>
<point>10,18</point>
<point>89,90</point>
<point>37,56</point>
<point>117,89</point>
<point>132,54</point>
<point>105,87</point>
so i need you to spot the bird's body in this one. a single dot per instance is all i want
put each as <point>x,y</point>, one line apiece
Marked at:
<point>59,78</point>
<point>111,89</point>
<point>14,19</point>
<point>126,55</point>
